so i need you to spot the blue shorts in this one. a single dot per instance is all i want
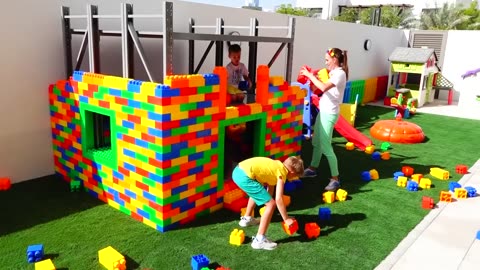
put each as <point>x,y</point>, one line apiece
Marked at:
<point>252,187</point>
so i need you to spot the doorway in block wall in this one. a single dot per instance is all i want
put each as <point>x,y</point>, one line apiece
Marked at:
<point>239,138</point>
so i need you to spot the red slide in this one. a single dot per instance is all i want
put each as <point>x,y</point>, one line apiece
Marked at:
<point>352,134</point>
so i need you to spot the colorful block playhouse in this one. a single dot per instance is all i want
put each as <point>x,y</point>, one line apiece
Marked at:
<point>156,152</point>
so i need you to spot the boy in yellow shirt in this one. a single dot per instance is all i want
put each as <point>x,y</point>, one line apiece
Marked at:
<point>251,175</point>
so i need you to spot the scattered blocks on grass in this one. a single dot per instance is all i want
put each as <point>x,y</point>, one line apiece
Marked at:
<point>407,170</point>
<point>439,173</point>
<point>461,169</point>
<point>427,202</point>
<point>471,191</point>
<point>374,174</point>
<point>385,146</point>
<point>341,195</point>
<point>199,261</point>
<point>425,183</point>
<point>75,185</point>
<point>385,156</point>
<point>460,193</point>
<point>112,259</point>
<point>366,176</point>
<point>402,181</point>
<point>312,230</point>
<point>45,265</point>
<point>412,186</point>
<point>369,149</point>
<point>237,237</point>
<point>329,197</point>
<point>417,177</point>
<point>397,174</point>
<point>376,156</point>
<point>244,210</point>
<point>349,146</point>
<point>445,196</point>
<point>290,230</point>
<point>35,253</point>
<point>324,213</point>
<point>453,185</point>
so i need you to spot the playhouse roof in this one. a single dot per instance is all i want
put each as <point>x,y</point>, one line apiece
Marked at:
<point>411,55</point>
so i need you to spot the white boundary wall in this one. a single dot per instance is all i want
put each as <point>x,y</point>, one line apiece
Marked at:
<point>32,58</point>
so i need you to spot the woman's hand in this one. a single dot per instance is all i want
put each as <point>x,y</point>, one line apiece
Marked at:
<point>306,73</point>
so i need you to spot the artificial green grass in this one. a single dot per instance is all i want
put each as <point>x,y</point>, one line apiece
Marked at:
<point>363,229</point>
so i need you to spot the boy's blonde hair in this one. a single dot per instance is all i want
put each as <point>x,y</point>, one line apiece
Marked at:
<point>295,164</point>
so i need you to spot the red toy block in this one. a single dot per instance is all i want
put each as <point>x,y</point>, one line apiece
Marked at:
<point>222,268</point>
<point>407,171</point>
<point>427,202</point>
<point>5,183</point>
<point>237,205</point>
<point>292,229</point>
<point>461,169</point>
<point>312,230</point>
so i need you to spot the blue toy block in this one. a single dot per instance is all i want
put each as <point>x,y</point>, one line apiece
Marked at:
<point>298,184</point>
<point>366,176</point>
<point>453,185</point>
<point>406,113</point>
<point>211,79</point>
<point>243,85</point>
<point>324,213</point>
<point>397,174</point>
<point>471,191</point>
<point>34,253</point>
<point>478,235</point>
<point>199,261</point>
<point>289,187</point>
<point>376,155</point>
<point>412,186</point>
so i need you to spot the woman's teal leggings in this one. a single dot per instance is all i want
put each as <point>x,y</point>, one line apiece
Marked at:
<point>322,141</point>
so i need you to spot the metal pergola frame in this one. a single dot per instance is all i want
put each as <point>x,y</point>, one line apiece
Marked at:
<point>130,38</point>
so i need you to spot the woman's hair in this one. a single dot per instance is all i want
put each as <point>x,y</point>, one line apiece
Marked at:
<point>341,57</point>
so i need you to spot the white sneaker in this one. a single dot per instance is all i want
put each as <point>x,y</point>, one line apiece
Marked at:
<point>264,244</point>
<point>248,221</point>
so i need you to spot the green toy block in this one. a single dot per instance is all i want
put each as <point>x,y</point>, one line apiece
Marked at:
<point>75,185</point>
<point>384,146</point>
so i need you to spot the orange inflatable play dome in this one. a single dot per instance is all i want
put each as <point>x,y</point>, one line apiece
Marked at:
<point>397,131</point>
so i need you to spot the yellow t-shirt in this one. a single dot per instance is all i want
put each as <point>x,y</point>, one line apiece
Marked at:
<point>264,170</point>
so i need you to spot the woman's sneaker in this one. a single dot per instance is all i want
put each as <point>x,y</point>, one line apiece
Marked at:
<point>263,244</point>
<point>333,185</point>
<point>309,173</point>
<point>247,221</point>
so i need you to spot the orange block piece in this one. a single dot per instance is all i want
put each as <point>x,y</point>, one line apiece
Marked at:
<point>417,177</point>
<point>329,197</point>
<point>349,146</point>
<point>244,209</point>
<point>263,80</point>
<point>385,156</point>
<point>445,196</point>
<point>460,193</point>
<point>237,237</point>
<point>286,200</point>
<point>312,230</point>
<point>407,170</point>
<point>176,81</point>
<point>292,229</point>
<point>276,80</point>
<point>195,80</point>
<point>222,75</point>
<point>369,149</point>
<point>233,195</point>
<point>5,183</point>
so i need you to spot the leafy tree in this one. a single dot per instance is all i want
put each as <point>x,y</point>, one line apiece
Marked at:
<point>290,10</point>
<point>473,23</point>
<point>448,17</point>
<point>347,15</point>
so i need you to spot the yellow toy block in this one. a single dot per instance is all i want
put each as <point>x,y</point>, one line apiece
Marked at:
<point>460,193</point>
<point>111,259</point>
<point>45,265</point>
<point>350,146</point>
<point>277,80</point>
<point>329,197</point>
<point>370,149</point>
<point>402,181</point>
<point>243,210</point>
<point>425,183</point>
<point>374,174</point>
<point>439,173</point>
<point>445,196</point>
<point>237,237</point>
<point>323,75</point>
<point>385,156</point>
<point>261,211</point>
<point>286,200</point>
<point>341,195</point>
<point>417,177</point>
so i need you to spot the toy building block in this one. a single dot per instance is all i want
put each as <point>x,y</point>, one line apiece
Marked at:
<point>385,146</point>
<point>385,156</point>
<point>445,196</point>
<point>34,253</point>
<point>425,183</point>
<point>374,174</point>
<point>286,200</point>
<point>412,186</point>
<point>312,230</point>
<point>292,229</point>
<point>276,80</point>
<point>471,192</point>
<point>236,205</point>
<point>349,146</point>
<point>402,181</point>
<point>289,186</point>
<point>439,173</point>
<point>233,195</point>
<point>5,183</point>
<point>324,213</point>
<point>460,193</point>
<point>416,177</point>
<point>478,235</point>
<point>75,185</point>
<point>397,174</point>
<point>45,265</point>
<point>369,149</point>
<point>376,155</point>
<point>329,197</point>
<point>407,170</point>
<point>261,211</point>
<point>237,237</point>
<point>461,169</point>
<point>199,261</point>
<point>366,176</point>
<point>222,268</point>
<point>112,259</point>
<point>244,209</point>
<point>298,184</point>
<point>427,202</point>
<point>453,185</point>
<point>341,195</point>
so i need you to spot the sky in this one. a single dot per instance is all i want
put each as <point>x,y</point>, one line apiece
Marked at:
<point>265,4</point>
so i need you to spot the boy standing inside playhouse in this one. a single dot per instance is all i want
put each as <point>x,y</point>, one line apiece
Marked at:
<point>251,175</point>
<point>236,71</point>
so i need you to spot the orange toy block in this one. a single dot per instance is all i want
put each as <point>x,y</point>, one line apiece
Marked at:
<point>445,196</point>
<point>233,195</point>
<point>385,156</point>
<point>417,177</point>
<point>349,146</point>
<point>292,229</point>
<point>5,183</point>
<point>286,200</point>
<point>176,81</point>
<point>243,210</point>
<point>222,75</point>
<point>237,237</point>
<point>407,170</point>
<point>427,202</point>
<point>312,230</point>
<point>425,183</point>
<point>276,80</point>
<point>329,197</point>
<point>341,195</point>
<point>374,174</point>
<point>460,193</point>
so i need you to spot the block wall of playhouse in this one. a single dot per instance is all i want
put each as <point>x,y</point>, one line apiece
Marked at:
<point>164,165</point>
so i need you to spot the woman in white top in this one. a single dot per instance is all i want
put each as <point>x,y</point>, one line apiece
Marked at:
<point>329,110</point>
